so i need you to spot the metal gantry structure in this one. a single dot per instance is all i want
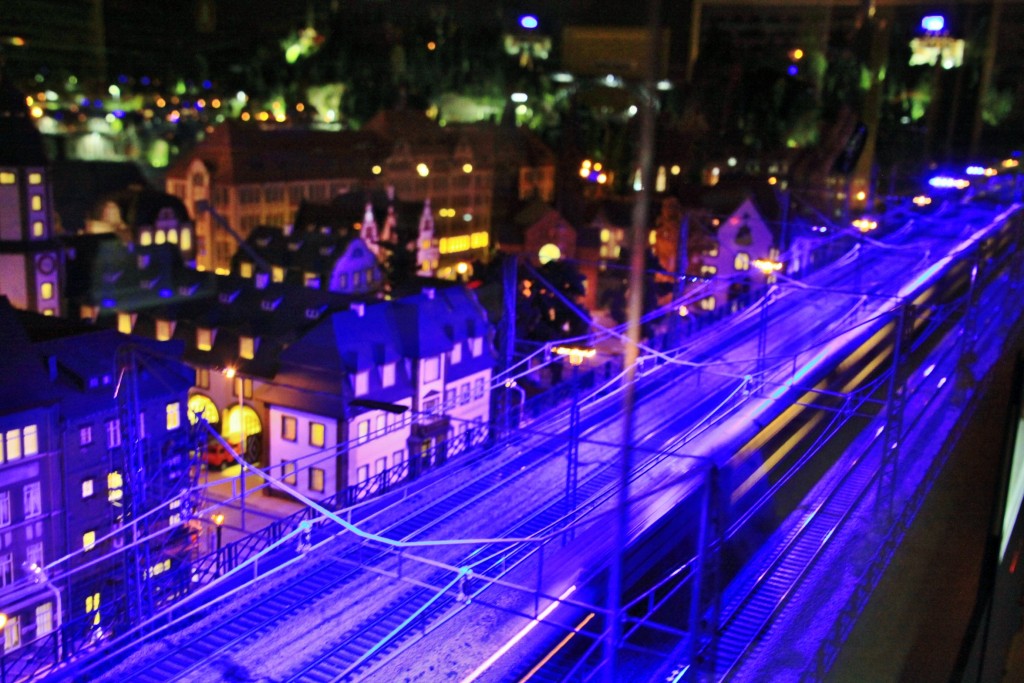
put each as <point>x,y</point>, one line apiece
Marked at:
<point>706,588</point>
<point>153,477</point>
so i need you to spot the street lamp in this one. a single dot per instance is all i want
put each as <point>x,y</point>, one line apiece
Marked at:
<point>576,355</point>
<point>769,267</point>
<point>230,373</point>
<point>513,385</point>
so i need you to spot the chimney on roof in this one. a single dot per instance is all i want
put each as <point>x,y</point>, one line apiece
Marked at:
<point>359,308</point>
<point>429,292</point>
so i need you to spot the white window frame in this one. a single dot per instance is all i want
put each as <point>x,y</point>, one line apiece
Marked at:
<point>361,383</point>
<point>113,430</point>
<point>33,499</point>
<point>431,369</point>
<point>387,375</point>
<point>5,508</point>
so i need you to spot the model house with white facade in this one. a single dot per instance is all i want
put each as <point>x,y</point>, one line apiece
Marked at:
<point>380,393</point>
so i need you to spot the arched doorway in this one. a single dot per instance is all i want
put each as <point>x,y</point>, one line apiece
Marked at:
<point>202,406</point>
<point>243,420</point>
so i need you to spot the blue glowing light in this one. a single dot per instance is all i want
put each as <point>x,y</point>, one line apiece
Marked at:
<point>207,84</point>
<point>975,170</point>
<point>946,182</point>
<point>144,80</point>
<point>792,70</point>
<point>933,23</point>
<point>122,79</point>
<point>528,21</point>
<point>166,293</point>
<point>119,114</point>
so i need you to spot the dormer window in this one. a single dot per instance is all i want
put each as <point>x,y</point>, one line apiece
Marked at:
<point>247,347</point>
<point>314,313</point>
<point>270,304</point>
<point>362,383</point>
<point>227,297</point>
<point>456,356</point>
<point>294,246</point>
<point>204,338</point>
<point>278,272</point>
<point>261,280</point>
<point>125,322</point>
<point>245,269</point>
<point>187,290</point>
<point>164,329</point>
<point>263,242</point>
<point>326,250</point>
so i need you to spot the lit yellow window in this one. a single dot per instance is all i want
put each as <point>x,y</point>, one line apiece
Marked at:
<point>163,330</point>
<point>46,291</point>
<point>160,237</point>
<point>145,238</point>
<point>172,236</point>
<point>92,605</point>
<point>316,434</point>
<point>37,228</point>
<point>173,416</point>
<point>88,540</point>
<point>37,203</point>
<point>35,178</point>
<point>115,487</point>
<point>186,239</point>
<point>124,323</point>
<point>245,270</point>
<point>278,274</point>
<point>742,261</point>
<point>246,347</point>
<point>204,339</point>
<point>7,178</point>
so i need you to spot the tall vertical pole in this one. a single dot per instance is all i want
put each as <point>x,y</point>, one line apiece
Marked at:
<point>987,68</point>
<point>638,246</point>
<point>682,260</point>
<point>888,479</point>
<point>243,451</point>
<point>572,466</point>
<point>510,287</point>
<point>704,603</point>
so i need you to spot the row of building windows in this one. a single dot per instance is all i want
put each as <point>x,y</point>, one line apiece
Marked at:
<point>456,244</point>
<point>169,236</point>
<point>462,394</point>
<point>290,431</point>
<point>290,476</point>
<point>18,443</point>
<point>115,487</point>
<point>398,458</point>
<point>12,628</point>
<point>32,497</point>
